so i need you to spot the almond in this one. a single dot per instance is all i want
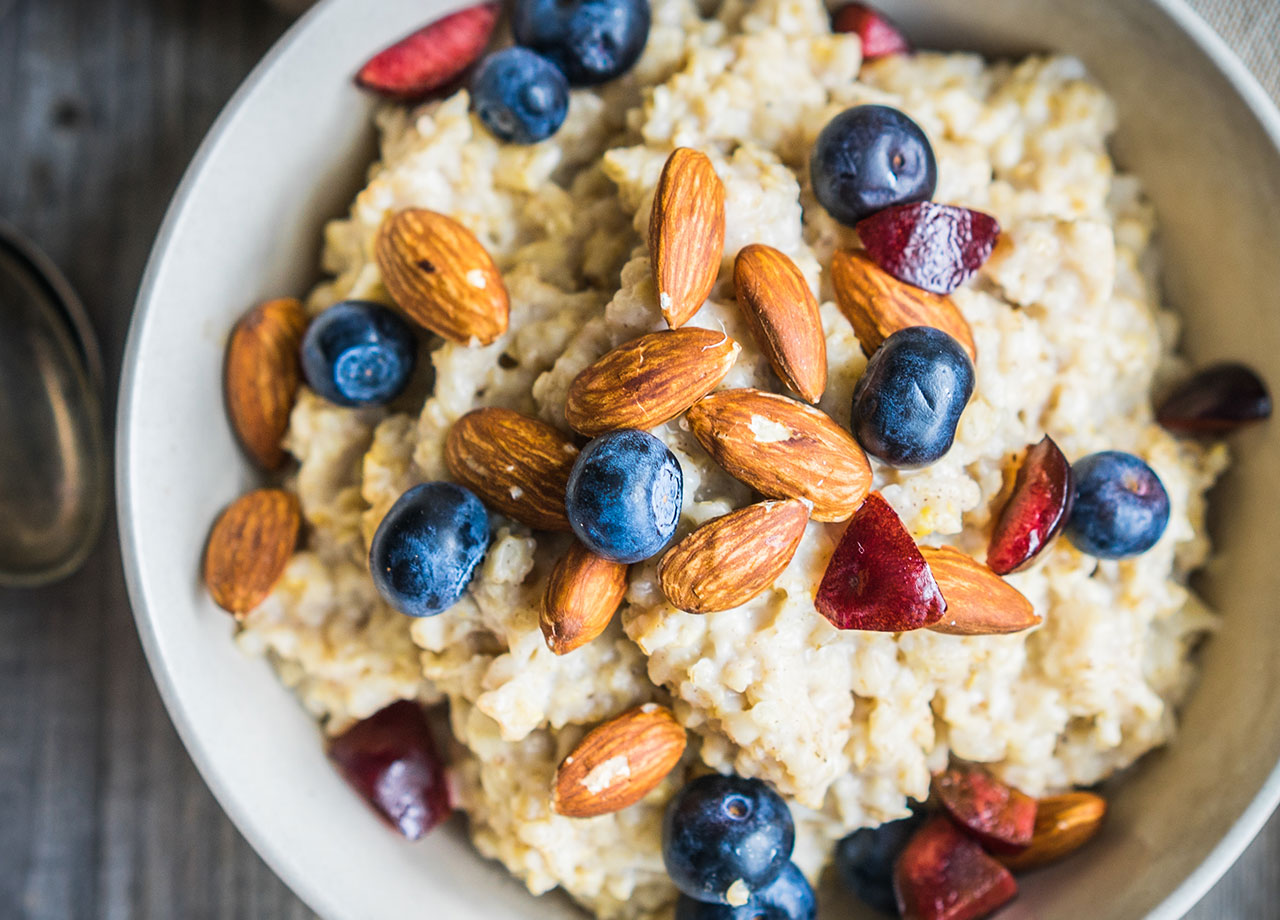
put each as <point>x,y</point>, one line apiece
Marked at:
<point>618,763</point>
<point>728,561</point>
<point>686,234</point>
<point>1064,823</point>
<point>979,602</point>
<point>261,375</point>
<point>441,277</point>
<point>784,449</point>
<point>517,464</point>
<point>783,316</point>
<point>249,547</point>
<point>582,595</point>
<point>878,304</point>
<point>649,380</point>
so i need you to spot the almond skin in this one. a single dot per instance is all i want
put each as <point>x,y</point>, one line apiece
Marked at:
<point>261,376</point>
<point>728,561</point>
<point>686,234</point>
<point>649,380</point>
<point>783,316</point>
<point>618,763</point>
<point>1064,823</point>
<point>878,304</point>
<point>784,449</point>
<point>517,464</point>
<point>582,596</point>
<point>441,276</point>
<point>249,547</point>
<point>979,602</point>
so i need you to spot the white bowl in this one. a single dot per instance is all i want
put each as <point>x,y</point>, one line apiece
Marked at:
<point>290,151</point>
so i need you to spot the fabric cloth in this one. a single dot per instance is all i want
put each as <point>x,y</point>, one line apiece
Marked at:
<point>1252,29</point>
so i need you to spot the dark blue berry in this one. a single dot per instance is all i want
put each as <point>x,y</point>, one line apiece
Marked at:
<point>870,158</point>
<point>427,548</point>
<point>520,96</point>
<point>865,860</point>
<point>787,897</point>
<point>624,495</point>
<point>1121,507</point>
<point>590,40</point>
<point>908,402</point>
<point>722,829</point>
<point>358,353</point>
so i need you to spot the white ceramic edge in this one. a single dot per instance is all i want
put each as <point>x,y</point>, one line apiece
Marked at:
<point>1176,905</point>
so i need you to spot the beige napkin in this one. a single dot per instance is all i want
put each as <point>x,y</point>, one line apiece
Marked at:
<point>1252,29</point>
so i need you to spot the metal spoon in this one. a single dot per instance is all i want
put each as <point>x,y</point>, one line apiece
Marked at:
<point>53,457</point>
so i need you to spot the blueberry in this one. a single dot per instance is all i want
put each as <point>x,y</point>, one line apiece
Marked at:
<point>520,96</point>
<point>787,897</point>
<point>1121,507</point>
<point>870,158</point>
<point>865,860</point>
<point>719,830</point>
<point>427,548</point>
<point>590,40</point>
<point>358,353</point>
<point>908,402</point>
<point>624,495</point>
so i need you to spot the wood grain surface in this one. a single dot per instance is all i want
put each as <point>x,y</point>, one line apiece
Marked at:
<point>102,103</point>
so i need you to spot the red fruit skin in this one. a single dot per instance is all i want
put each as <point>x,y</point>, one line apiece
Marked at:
<point>999,816</point>
<point>391,760</point>
<point>944,875</point>
<point>1036,511</point>
<point>1217,400</point>
<point>880,37</point>
<point>877,578</point>
<point>431,58</point>
<point>933,246</point>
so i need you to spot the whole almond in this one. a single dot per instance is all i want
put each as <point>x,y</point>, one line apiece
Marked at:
<point>686,234</point>
<point>728,561</point>
<point>649,380</point>
<point>582,596</point>
<point>618,763</point>
<point>441,276</point>
<point>1064,823</point>
<point>879,305</point>
<point>517,464</point>
<point>783,316</point>
<point>249,547</point>
<point>979,602</point>
<point>261,375</point>
<point>784,449</point>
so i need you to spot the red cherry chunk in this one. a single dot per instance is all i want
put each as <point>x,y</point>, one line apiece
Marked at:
<point>880,37</point>
<point>944,875</point>
<point>1217,400</point>
<point>391,760</point>
<point>933,246</point>
<point>999,816</point>
<point>431,58</point>
<point>1036,511</point>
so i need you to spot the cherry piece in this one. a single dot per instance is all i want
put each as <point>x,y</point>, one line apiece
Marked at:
<point>880,37</point>
<point>1036,511</point>
<point>431,58</point>
<point>1217,400</point>
<point>944,875</point>
<point>999,816</point>
<point>933,246</point>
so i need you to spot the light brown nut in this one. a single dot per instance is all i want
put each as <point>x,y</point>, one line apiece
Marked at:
<point>249,547</point>
<point>879,305</point>
<point>979,602</point>
<point>728,561</point>
<point>1064,823</point>
<point>261,375</point>
<point>686,234</point>
<point>441,277</point>
<point>649,380</point>
<point>784,449</point>
<point>783,316</point>
<point>618,763</point>
<point>517,464</point>
<point>582,596</point>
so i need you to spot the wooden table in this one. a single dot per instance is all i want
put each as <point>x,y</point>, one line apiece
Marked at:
<point>102,103</point>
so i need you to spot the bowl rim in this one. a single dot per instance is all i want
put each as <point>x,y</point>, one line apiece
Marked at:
<point>1176,904</point>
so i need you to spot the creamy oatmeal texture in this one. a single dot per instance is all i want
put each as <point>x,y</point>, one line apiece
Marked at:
<point>845,724</point>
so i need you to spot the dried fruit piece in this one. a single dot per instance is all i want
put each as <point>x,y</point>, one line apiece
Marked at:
<point>431,58</point>
<point>728,561</point>
<point>582,595</point>
<point>998,815</point>
<point>1036,511</point>
<point>933,246</point>
<point>877,578</point>
<point>649,380</point>
<point>391,760</point>
<point>784,449</point>
<point>979,602</point>
<point>783,316</point>
<point>1216,400</point>
<point>686,234</point>
<point>260,380</point>
<point>944,875</point>
<point>880,37</point>
<point>249,547</point>
<point>1064,823</point>
<point>618,763</point>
